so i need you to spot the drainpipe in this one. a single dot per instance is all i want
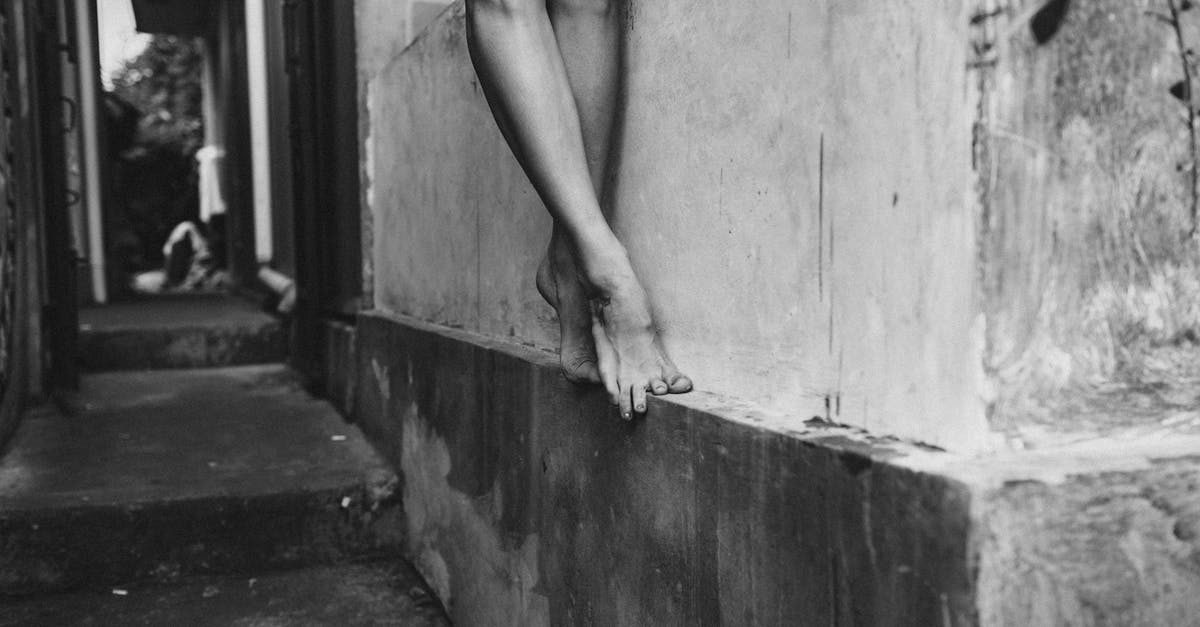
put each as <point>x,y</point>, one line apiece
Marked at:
<point>260,125</point>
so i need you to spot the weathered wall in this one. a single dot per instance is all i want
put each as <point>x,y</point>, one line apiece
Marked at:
<point>383,28</point>
<point>528,504</point>
<point>1117,547</point>
<point>794,190</point>
<point>823,232</point>
<point>1090,274</point>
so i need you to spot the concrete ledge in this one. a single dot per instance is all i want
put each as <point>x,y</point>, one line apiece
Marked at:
<point>530,502</point>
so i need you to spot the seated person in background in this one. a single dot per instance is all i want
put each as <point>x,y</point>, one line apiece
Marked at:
<point>188,264</point>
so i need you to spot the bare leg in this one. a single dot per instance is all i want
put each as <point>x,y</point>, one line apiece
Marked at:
<point>525,78</point>
<point>587,38</point>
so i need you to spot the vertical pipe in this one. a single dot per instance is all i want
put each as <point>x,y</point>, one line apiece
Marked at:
<point>89,75</point>
<point>260,147</point>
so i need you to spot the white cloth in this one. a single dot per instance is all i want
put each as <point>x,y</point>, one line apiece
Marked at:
<point>211,201</point>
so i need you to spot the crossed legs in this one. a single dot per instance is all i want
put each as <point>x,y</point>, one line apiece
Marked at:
<point>550,71</point>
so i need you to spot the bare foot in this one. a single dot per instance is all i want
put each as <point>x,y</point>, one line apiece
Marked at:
<point>558,283</point>
<point>630,354</point>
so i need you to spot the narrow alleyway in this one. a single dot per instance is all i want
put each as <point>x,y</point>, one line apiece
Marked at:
<point>208,490</point>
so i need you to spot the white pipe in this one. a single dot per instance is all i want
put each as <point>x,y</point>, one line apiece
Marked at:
<point>90,117</point>
<point>260,147</point>
<point>283,286</point>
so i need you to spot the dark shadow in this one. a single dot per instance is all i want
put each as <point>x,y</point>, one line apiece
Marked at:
<point>1048,20</point>
<point>616,146</point>
<point>1180,91</point>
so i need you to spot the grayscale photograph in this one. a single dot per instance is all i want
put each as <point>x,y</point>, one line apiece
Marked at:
<point>541,313</point>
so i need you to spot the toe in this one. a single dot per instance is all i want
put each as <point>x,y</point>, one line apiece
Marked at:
<point>625,401</point>
<point>680,383</point>
<point>639,398</point>
<point>614,391</point>
<point>658,387</point>
<point>677,382</point>
<point>606,361</point>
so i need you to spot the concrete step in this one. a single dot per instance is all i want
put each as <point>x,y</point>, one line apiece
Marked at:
<point>178,331</point>
<point>388,593</point>
<point>181,472</point>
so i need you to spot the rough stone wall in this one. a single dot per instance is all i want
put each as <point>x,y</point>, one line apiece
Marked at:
<point>794,189</point>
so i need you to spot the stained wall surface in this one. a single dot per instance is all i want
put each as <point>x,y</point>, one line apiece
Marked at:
<point>383,29</point>
<point>1088,247</point>
<point>962,223</point>
<point>527,503</point>
<point>794,189</point>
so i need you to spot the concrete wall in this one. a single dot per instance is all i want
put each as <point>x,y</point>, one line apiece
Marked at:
<point>383,28</point>
<point>527,504</point>
<point>961,223</point>
<point>1086,164</point>
<point>795,190</point>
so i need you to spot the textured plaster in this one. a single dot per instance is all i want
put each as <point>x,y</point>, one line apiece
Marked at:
<point>800,210</point>
<point>1086,164</point>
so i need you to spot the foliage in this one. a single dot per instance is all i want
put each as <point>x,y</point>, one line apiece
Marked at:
<point>164,83</point>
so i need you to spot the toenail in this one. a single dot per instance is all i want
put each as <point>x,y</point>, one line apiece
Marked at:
<point>626,415</point>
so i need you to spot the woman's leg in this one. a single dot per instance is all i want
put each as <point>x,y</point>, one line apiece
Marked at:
<point>524,76</point>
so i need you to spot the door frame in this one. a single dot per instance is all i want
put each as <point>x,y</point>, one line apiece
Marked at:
<point>320,58</point>
<point>61,305</point>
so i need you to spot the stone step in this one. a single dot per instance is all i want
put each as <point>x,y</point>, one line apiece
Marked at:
<point>178,331</point>
<point>180,472</point>
<point>386,593</point>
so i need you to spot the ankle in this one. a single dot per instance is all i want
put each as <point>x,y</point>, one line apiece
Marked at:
<point>607,272</point>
